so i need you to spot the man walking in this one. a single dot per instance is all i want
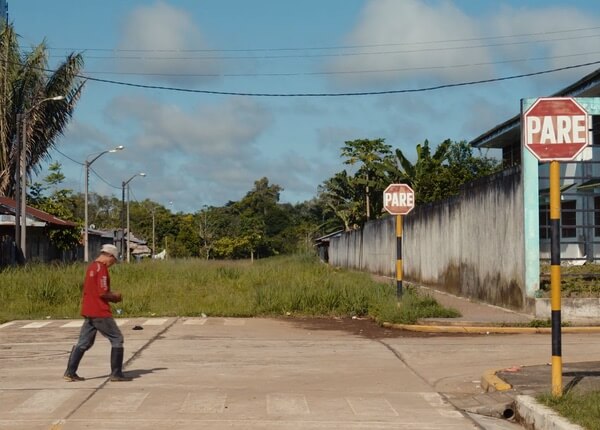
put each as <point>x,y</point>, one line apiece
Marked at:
<point>95,308</point>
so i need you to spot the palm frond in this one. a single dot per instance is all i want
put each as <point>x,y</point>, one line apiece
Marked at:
<point>25,85</point>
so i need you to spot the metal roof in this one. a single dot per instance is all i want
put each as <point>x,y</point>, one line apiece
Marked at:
<point>509,132</point>
<point>8,206</point>
<point>327,237</point>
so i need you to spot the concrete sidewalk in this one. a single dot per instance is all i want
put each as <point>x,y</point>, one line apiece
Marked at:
<point>483,318</point>
<point>511,391</point>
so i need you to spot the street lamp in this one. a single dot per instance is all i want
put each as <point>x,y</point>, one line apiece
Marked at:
<point>167,237</point>
<point>126,184</point>
<point>21,177</point>
<point>88,163</point>
<point>153,232</point>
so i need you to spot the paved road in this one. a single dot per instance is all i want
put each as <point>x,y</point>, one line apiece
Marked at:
<point>218,373</point>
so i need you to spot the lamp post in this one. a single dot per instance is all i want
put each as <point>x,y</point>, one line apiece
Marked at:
<point>167,237</point>
<point>21,177</point>
<point>126,184</point>
<point>153,232</point>
<point>88,163</point>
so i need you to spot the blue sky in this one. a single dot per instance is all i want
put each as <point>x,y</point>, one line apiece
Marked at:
<point>206,149</point>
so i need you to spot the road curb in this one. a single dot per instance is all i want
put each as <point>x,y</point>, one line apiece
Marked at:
<point>529,412</point>
<point>491,382</point>
<point>539,417</point>
<point>473,329</point>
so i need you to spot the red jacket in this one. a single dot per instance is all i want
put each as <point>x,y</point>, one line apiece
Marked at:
<point>96,284</point>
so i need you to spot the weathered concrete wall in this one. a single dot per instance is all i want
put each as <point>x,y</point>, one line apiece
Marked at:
<point>470,246</point>
<point>372,249</point>
<point>574,310</point>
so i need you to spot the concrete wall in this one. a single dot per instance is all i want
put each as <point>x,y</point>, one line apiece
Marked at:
<point>470,246</point>
<point>372,249</point>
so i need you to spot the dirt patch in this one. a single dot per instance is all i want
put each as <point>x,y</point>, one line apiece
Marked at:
<point>366,328</point>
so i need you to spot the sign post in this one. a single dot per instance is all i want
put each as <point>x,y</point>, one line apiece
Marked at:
<point>555,129</point>
<point>398,199</point>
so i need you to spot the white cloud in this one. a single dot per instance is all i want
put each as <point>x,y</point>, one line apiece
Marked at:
<point>208,154</point>
<point>427,43</point>
<point>163,43</point>
<point>83,139</point>
<point>417,41</point>
<point>546,38</point>
<point>229,128</point>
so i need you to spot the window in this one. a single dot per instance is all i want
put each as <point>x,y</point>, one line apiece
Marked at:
<point>597,215</point>
<point>568,219</point>
<point>545,221</point>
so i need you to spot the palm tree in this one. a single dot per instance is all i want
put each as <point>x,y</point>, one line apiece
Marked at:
<point>25,81</point>
<point>422,175</point>
<point>372,154</point>
<point>339,194</point>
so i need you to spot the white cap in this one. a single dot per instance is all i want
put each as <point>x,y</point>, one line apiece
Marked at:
<point>110,249</point>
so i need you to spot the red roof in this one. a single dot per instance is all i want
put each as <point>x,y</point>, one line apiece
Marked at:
<point>9,205</point>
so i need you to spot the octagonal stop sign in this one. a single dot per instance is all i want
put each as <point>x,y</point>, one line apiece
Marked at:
<point>398,199</point>
<point>556,129</point>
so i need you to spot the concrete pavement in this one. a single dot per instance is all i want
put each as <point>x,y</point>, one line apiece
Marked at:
<point>217,373</point>
<point>292,374</point>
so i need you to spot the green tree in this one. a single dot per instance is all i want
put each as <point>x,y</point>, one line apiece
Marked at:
<point>207,230</point>
<point>463,166</point>
<point>61,203</point>
<point>259,218</point>
<point>188,240</point>
<point>258,225</point>
<point>372,155</point>
<point>24,83</point>
<point>423,175</point>
<point>340,195</point>
<point>103,212</point>
<point>440,175</point>
<point>231,247</point>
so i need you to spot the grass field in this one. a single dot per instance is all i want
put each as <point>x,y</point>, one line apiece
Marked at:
<point>289,285</point>
<point>582,408</point>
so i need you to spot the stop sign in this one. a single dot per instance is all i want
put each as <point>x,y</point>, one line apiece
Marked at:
<point>555,129</point>
<point>398,199</point>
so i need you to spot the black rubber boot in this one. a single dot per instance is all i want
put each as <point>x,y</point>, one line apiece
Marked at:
<point>74,359</point>
<point>116,365</point>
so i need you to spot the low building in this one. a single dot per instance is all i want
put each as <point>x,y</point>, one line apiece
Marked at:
<point>580,183</point>
<point>39,248</point>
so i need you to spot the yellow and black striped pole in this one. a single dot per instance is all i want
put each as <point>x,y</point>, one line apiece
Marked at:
<point>555,277</point>
<point>398,256</point>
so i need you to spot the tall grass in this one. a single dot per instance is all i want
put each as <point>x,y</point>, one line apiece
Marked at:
<point>288,285</point>
<point>579,408</point>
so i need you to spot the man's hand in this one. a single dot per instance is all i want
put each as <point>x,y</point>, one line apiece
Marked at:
<point>112,297</point>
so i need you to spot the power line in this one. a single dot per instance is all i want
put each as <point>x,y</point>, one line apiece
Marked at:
<point>104,180</point>
<point>340,47</point>
<point>341,54</point>
<point>338,72</point>
<point>66,156</point>
<point>91,168</point>
<point>361,93</point>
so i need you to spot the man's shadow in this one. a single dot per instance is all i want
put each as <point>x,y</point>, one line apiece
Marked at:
<point>137,373</point>
<point>133,373</point>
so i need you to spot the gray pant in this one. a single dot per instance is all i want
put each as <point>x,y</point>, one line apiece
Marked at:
<point>106,326</point>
